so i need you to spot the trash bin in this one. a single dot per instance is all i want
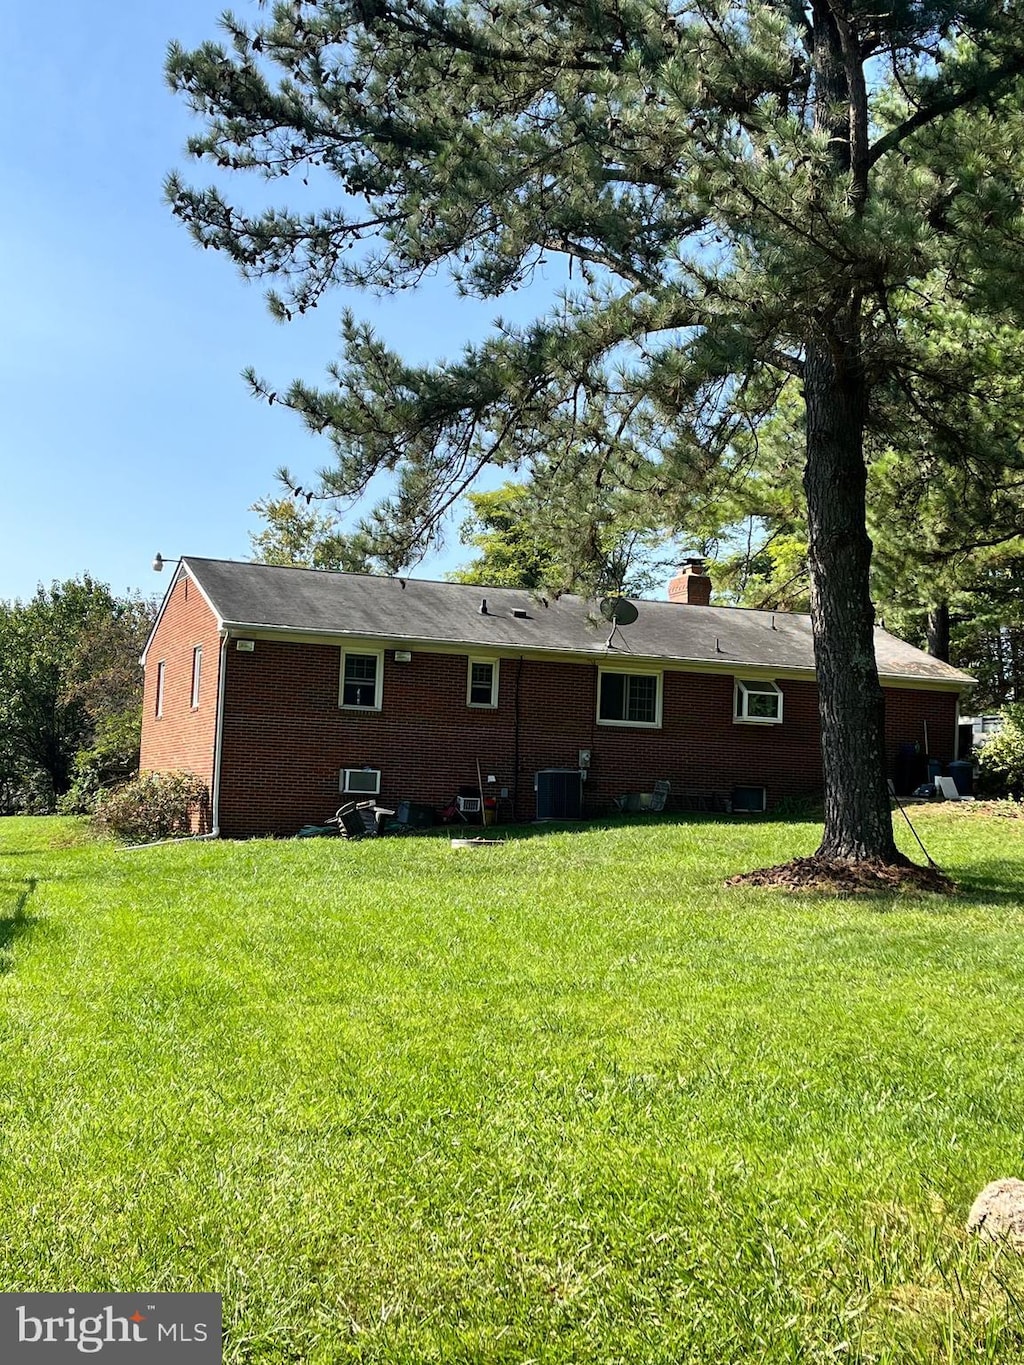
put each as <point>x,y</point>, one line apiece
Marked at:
<point>414,815</point>
<point>910,770</point>
<point>962,774</point>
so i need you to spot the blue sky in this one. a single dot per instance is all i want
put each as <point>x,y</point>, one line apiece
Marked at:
<point>124,426</point>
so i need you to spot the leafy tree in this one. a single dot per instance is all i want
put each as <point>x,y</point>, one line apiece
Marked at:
<point>1001,759</point>
<point>69,670</point>
<point>112,756</point>
<point>528,538</point>
<point>303,537</point>
<point>734,183</point>
<point>512,551</point>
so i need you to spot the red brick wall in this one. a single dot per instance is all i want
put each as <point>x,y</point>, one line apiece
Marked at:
<point>285,737</point>
<point>908,711</point>
<point>182,737</point>
<point>926,720</point>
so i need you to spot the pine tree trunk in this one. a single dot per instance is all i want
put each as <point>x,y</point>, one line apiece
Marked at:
<point>1015,639</point>
<point>858,819</point>
<point>938,631</point>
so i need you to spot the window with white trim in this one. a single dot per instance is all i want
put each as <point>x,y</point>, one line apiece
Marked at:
<point>361,678</point>
<point>628,698</point>
<point>197,672</point>
<point>161,673</point>
<point>757,702</point>
<point>482,683</point>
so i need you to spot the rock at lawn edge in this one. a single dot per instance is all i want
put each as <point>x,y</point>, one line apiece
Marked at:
<point>997,1215</point>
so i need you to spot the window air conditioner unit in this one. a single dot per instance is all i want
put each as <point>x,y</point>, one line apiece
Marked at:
<point>360,781</point>
<point>468,805</point>
<point>749,800</point>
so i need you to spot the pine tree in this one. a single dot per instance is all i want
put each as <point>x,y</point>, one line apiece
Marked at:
<point>732,184</point>
<point>945,493</point>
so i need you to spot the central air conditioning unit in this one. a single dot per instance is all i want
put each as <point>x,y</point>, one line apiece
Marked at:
<point>559,793</point>
<point>360,781</point>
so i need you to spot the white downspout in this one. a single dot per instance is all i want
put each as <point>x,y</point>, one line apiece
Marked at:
<point>219,737</point>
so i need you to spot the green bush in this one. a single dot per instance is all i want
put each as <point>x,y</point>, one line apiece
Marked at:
<point>1001,758</point>
<point>112,759</point>
<point>154,806</point>
<point>26,793</point>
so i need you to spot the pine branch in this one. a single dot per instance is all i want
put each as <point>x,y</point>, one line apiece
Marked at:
<point>987,86</point>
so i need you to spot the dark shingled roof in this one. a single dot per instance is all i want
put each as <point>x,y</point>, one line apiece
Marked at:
<point>315,602</point>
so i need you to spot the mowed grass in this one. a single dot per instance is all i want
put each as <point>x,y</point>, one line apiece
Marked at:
<point>570,1099</point>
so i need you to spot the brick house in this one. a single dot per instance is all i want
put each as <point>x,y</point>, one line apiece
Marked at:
<point>290,691</point>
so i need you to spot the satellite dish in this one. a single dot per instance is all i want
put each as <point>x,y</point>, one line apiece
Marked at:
<point>618,609</point>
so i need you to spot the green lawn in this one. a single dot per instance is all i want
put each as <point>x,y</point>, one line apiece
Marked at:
<point>567,1100</point>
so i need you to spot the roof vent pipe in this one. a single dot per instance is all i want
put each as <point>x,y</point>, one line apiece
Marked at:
<point>483,606</point>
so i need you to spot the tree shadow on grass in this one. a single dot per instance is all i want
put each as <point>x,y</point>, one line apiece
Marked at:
<point>15,920</point>
<point>990,886</point>
<point>593,824</point>
<point>993,883</point>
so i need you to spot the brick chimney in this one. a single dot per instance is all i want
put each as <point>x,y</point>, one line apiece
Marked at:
<point>691,585</point>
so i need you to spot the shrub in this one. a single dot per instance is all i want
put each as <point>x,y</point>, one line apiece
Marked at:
<point>1001,759</point>
<point>26,793</point>
<point>154,806</point>
<point>113,757</point>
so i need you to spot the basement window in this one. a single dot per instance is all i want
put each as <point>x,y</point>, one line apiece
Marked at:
<point>361,678</point>
<point>482,683</point>
<point>757,702</point>
<point>628,698</point>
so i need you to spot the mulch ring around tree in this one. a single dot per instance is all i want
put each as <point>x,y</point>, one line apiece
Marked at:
<point>838,877</point>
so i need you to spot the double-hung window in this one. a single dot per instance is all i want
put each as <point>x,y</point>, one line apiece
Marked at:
<point>361,679</point>
<point>482,683</point>
<point>757,702</point>
<point>628,698</point>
